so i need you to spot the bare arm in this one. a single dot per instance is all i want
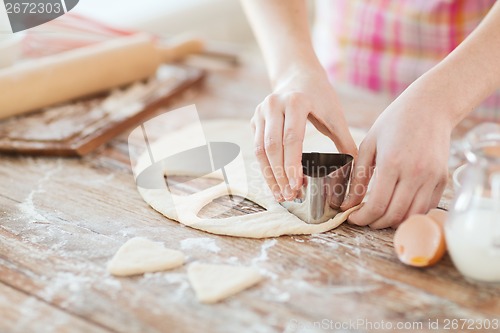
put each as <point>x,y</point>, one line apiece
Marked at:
<point>471,72</point>
<point>409,142</point>
<point>301,91</point>
<point>282,30</point>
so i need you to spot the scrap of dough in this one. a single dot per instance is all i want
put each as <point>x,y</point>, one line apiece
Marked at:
<point>274,222</point>
<point>213,283</point>
<point>140,255</point>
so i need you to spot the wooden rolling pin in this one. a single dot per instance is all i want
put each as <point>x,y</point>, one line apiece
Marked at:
<point>85,71</point>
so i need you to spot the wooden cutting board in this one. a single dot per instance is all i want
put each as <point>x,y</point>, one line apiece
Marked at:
<point>79,127</point>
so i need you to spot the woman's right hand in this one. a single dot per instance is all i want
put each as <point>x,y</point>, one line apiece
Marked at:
<point>279,126</point>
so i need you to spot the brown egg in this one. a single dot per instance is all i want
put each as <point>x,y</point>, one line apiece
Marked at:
<point>419,241</point>
<point>438,215</point>
<point>492,151</point>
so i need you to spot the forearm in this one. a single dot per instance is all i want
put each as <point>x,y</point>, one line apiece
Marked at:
<point>282,31</point>
<point>471,72</point>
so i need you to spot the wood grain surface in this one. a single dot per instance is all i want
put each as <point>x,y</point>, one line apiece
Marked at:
<point>63,219</point>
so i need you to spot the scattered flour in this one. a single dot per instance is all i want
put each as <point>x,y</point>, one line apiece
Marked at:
<point>232,260</point>
<point>96,182</point>
<point>27,207</point>
<point>203,243</point>
<point>333,245</point>
<point>263,257</point>
<point>113,283</point>
<point>354,289</point>
<point>263,251</point>
<point>298,284</point>
<point>330,289</point>
<point>277,295</point>
<point>78,285</point>
<point>178,279</point>
<point>33,316</point>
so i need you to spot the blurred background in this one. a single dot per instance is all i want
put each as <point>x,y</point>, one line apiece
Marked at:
<point>221,20</point>
<point>218,20</point>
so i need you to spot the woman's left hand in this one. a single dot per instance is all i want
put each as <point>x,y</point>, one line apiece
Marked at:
<point>409,145</point>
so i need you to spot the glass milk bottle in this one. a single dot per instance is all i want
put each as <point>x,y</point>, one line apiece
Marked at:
<point>473,227</point>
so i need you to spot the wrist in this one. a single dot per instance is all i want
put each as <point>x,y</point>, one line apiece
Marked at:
<point>295,59</point>
<point>300,70</point>
<point>439,100</point>
<point>460,84</point>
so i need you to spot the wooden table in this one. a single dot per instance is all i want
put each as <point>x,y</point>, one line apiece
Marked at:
<point>63,219</point>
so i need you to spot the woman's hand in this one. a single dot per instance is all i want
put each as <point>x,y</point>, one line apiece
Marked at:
<point>279,126</point>
<point>409,145</point>
<point>301,92</point>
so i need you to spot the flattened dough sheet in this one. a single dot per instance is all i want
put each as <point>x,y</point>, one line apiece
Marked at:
<point>245,180</point>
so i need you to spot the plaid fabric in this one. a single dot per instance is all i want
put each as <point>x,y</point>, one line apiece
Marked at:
<point>384,45</point>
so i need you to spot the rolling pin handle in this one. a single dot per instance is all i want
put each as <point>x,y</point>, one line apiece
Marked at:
<point>180,49</point>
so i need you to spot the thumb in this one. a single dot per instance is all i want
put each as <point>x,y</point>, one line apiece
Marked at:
<point>338,131</point>
<point>361,175</point>
<point>340,134</point>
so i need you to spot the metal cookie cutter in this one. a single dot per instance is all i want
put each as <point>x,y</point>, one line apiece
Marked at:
<point>326,179</point>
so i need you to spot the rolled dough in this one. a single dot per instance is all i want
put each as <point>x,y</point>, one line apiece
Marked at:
<point>245,180</point>
<point>140,255</point>
<point>213,283</point>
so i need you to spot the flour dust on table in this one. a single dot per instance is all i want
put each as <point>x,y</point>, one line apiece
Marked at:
<point>244,179</point>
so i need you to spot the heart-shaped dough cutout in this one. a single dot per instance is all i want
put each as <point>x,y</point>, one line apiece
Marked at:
<point>213,283</point>
<point>140,255</point>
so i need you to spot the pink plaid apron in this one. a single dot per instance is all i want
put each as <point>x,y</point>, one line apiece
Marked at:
<point>384,45</point>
